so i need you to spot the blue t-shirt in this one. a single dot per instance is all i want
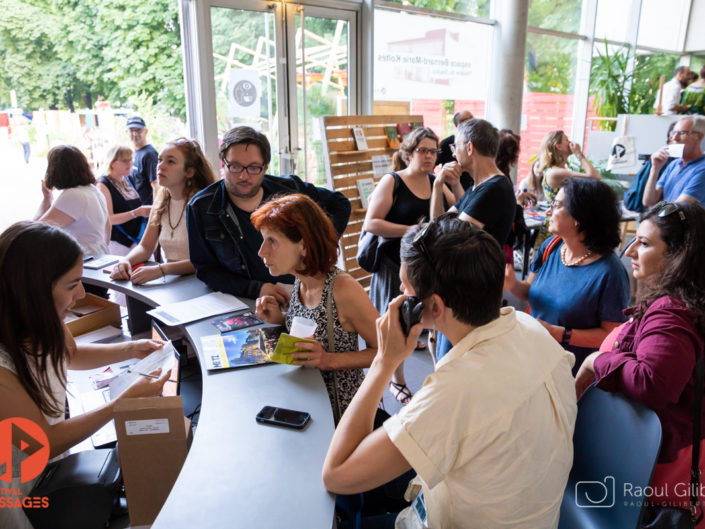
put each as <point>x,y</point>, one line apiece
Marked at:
<point>578,297</point>
<point>677,180</point>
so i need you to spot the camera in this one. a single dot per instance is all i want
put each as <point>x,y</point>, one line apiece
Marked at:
<point>410,313</point>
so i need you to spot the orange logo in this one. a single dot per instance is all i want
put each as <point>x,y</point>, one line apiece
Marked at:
<point>32,443</point>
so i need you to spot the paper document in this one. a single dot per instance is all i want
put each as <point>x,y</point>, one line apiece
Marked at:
<point>161,358</point>
<point>198,308</point>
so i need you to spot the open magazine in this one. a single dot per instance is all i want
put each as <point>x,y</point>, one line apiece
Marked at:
<point>248,347</point>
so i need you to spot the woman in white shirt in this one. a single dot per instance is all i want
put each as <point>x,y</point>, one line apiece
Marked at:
<point>80,208</point>
<point>182,171</point>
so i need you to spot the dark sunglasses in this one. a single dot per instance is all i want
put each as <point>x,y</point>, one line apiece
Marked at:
<point>419,243</point>
<point>669,208</point>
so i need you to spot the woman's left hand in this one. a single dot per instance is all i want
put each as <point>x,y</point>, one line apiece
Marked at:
<point>145,273</point>
<point>314,356</point>
<point>554,330</point>
<point>142,348</point>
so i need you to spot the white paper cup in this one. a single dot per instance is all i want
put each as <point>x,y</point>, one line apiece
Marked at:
<point>302,327</point>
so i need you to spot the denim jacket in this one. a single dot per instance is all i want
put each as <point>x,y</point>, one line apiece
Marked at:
<point>214,238</point>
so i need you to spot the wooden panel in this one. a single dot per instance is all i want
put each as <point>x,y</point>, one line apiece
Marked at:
<point>391,107</point>
<point>345,165</point>
<point>348,146</point>
<point>341,121</point>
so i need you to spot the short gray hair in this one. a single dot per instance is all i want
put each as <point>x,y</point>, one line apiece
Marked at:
<point>698,123</point>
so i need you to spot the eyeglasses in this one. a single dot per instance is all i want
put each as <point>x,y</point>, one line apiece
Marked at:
<point>555,204</point>
<point>236,168</point>
<point>419,243</point>
<point>668,208</point>
<point>423,151</point>
<point>681,133</point>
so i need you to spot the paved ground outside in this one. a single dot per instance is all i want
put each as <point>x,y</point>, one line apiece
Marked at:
<point>20,184</point>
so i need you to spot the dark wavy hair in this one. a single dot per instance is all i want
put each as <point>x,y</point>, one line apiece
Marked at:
<point>33,256</point>
<point>684,276</point>
<point>461,262</point>
<point>507,151</point>
<point>67,167</point>
<point>401,158</point>
<point>244,135</point>
<point>594,206</point>
<point>300,218</point>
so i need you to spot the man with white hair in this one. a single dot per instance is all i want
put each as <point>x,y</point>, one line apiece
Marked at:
<point>684,178</point>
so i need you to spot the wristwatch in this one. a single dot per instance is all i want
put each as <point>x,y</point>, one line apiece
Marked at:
<point>567,335</point>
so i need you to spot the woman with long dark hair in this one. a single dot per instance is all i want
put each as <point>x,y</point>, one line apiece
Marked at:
<point>40,280</point>
<point>652,357</point>
<point>183,170</point>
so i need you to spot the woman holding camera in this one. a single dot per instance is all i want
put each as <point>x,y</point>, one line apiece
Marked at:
<point>299,239</point>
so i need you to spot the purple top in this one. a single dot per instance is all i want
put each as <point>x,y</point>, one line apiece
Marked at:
<point>653,361</point>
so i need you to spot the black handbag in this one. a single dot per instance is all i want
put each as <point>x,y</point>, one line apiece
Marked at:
<point>370,247</point>
<point>660,517</point>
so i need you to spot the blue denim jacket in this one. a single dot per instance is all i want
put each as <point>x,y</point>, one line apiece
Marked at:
<point>214,239</point>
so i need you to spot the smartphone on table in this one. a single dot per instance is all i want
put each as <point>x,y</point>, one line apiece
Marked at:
<point>283,417</point>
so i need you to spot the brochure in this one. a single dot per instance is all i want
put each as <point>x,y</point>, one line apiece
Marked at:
<point>240,348</point>
<point>360,139</point>
<point>365,186</point>
<point>392,136</point>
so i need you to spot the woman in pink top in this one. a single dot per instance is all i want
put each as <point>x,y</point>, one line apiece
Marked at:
<point>652,357</point>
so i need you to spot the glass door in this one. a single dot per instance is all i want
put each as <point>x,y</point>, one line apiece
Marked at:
<point>321,49</point>
<point>245,49</point>
<point>275,66</point>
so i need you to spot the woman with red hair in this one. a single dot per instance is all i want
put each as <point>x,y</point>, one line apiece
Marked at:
<point>299,239</point>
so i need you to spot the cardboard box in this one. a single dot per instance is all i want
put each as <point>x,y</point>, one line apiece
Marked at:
<point>109,314</point>
<point>152,438</point>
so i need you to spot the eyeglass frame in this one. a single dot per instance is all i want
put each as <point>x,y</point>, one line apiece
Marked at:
<point>681,133</point>
<point>247,168</point>
<point>423,151</point>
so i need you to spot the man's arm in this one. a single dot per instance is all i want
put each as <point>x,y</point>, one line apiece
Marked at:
<point>334,203</point>
<point>208,268</point>
<point>653,194</point>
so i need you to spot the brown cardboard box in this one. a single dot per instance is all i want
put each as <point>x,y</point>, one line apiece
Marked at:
<point>152,440</point>
<point>108,315</point>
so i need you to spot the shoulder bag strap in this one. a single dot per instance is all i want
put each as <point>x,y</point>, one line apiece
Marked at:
<point>549,248</point>
<point>697,422</point>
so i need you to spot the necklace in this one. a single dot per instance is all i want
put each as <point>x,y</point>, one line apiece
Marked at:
<point>575,262</point>
<point>168,213</point>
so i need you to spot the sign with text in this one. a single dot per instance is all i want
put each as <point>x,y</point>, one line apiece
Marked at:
<point>430,58</point>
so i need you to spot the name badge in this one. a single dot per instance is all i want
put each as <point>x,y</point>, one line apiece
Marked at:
<point>419,507</point>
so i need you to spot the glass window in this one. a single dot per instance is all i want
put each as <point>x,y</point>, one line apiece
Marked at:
<point>245,77</point>
<point>475,8</point>
<point>423,67</point>
<point>558,15</point>
<point>548,95</point>
<point>645,85</point>
<point>663,24</point>
<point>613,19</point>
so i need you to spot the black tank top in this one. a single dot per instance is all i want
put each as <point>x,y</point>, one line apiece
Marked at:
<point>133,227</point>
<point>407,209</point>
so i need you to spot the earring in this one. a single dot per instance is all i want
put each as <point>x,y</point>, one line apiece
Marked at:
<point>188,182</point>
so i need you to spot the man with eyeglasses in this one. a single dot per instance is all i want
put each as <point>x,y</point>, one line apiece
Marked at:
<point>490,432</point>
<point>448,147</point>
<point>223,244</point>
<point>684,178</point>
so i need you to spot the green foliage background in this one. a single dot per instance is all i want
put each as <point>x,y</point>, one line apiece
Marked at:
<point>63,54</point>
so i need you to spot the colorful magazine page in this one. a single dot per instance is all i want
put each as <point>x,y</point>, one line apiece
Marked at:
<point>392,137</point>
<point>403,129</point>
<point>240,348</point>
<point>285,346</point>
<point>233,323</point>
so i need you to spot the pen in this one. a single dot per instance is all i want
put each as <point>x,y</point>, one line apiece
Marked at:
<point>149,376</point>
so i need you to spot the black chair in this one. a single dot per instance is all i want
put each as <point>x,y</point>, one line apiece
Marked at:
<point>616,442</point>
